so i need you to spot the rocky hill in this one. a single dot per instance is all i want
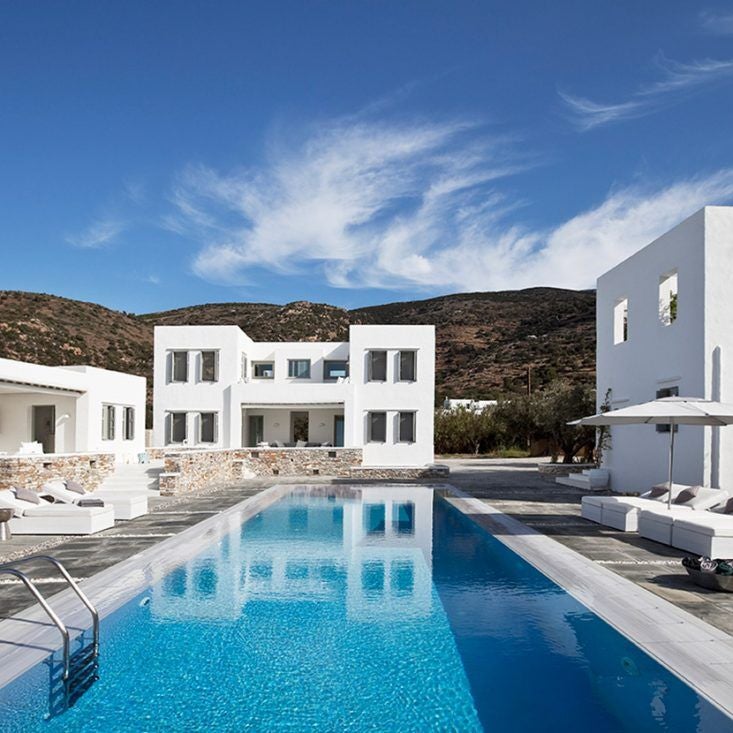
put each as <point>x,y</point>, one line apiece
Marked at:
<point>487,343</point>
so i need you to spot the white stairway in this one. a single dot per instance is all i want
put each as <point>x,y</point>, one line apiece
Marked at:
<point>134,477</point>
<point>594,479</point>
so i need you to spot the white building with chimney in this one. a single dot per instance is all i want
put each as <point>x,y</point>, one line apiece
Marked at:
<point>215,387</point>
<point>665,327</point>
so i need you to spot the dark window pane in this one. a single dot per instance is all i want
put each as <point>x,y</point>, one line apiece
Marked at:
<point>129,426</point>
<point>208,366</point>
<point>372,578</point>
<point>265,370</point>
<point>335,369</point>
<point>377,427</point>
<point>407,427</point>
<point>407,366</point>
<point>377,366</point>
<point>180,366</point>
<point>178,427</point>
<point>208,427</point>
<point>299,368</point>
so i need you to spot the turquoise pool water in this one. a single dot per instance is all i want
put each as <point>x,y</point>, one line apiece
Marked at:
<point>382,609</point>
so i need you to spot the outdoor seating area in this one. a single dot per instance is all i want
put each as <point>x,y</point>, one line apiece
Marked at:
<point>64,507</point>
<point>698,519</point>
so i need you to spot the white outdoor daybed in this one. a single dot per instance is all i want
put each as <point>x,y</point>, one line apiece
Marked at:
<point>622,512</point>
<point>704,533</point>
<point>126,504</point>
<point>655,523</point>
<point>47,518</point>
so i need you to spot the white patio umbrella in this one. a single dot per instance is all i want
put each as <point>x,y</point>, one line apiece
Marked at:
<point>666,411</point>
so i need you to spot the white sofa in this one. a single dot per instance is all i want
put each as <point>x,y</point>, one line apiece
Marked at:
<point>655,523</point>
<point>47,518</point>
<point>704,533</point>
<point>622,512</point>
<point>126,504</point>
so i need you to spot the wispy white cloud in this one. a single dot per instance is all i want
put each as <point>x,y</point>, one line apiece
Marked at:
<point>400,206</point>
<point>717,23</point>
<point>676,81</point>
<point>98,234</point>
<point>152,280</point>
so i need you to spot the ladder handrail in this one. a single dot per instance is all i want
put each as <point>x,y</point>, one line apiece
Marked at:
<point>49,611</point>
<point>72,584</point>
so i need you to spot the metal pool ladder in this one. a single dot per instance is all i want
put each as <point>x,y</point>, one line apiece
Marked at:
<point>79,670</point>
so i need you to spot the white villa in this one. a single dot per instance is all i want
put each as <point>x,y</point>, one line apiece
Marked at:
<point>215,387</point>
<point>664,328</point>
<point>70,409</point>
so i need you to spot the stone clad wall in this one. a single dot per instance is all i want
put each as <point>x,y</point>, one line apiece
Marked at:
<point>31,472</point>
<point>190,470</point>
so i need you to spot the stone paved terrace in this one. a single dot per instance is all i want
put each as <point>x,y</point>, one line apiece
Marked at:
<point>511,485</point>
<point>514,487</point>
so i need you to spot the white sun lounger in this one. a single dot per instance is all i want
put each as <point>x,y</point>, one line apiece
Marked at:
<point>126,504</point>
<point>655,523</point>
<point>47,518</point>
<point>622,512</point>
<point>704,533</point>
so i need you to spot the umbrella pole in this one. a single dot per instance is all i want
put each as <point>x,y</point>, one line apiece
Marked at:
<point>671,464</point>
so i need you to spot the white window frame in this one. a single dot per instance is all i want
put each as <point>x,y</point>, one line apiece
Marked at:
<point>243,367</point>
<point>399,427</point>
<point>255,364</point>
<point>292,362</point>
<point>172,415</point>
<point>370,438</point>
<point>173,353</point>
<point>215,352</point>
<point>370,374</point>
<point>128,423</point>
<point>215,426</point>
<point>109,417</point>
<point>326,362</point>
<point>621,321</point>
<point>668,291</point>
<point>401,378</point>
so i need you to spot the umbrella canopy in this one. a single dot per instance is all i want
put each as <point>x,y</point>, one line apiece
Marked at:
<point>666,411</point>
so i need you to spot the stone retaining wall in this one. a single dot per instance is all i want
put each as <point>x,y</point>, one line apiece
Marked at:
<point>397,473</point>
<point>550,471</point>
<point>31,472</point>
<point>190,470</point>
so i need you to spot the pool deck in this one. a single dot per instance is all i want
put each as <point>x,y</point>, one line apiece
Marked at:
<point>515,487</point>
<point>511,485</point>
<point>537,519</point>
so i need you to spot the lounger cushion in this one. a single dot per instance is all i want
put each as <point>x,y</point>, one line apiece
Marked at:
<point>707,525</point>
<point>28,495</point>
<point>727,508</point>
<point>684,496</point>
<point>75,486</point>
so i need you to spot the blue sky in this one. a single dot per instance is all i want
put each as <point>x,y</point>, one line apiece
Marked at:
<point>155,155</point>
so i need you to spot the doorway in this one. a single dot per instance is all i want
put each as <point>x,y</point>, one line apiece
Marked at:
<point>338,431</point>
<point>44,427</point>
<point>299,426</point>
<point>256,430</point>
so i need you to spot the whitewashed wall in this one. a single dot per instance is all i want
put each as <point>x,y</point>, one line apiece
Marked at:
<point>658,356</point>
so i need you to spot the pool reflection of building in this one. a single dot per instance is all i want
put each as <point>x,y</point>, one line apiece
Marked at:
<point>372,545</point>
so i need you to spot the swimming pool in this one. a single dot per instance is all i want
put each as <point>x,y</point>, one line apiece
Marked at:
<point>361,609</point>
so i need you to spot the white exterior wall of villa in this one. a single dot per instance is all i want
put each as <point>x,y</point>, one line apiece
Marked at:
<point>78,394</point>
<point>234,396</point>
<point>393,396</point>
<point>659,356</point>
